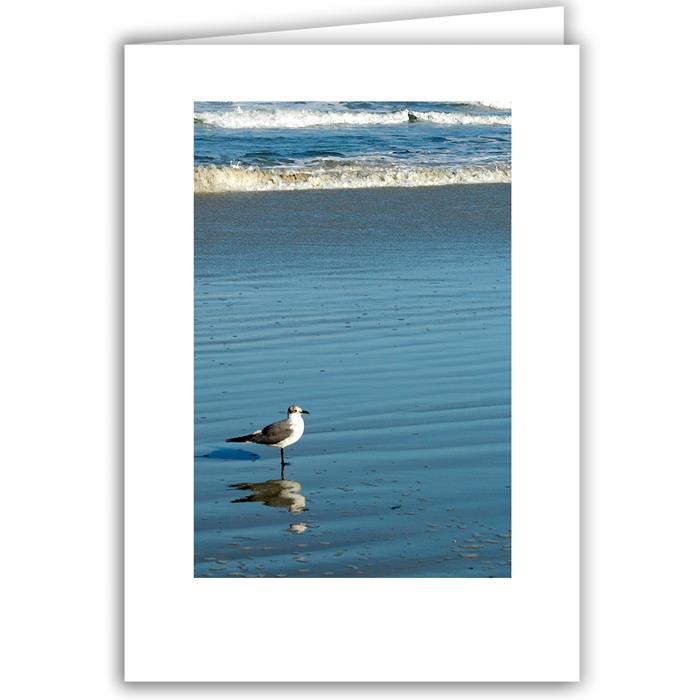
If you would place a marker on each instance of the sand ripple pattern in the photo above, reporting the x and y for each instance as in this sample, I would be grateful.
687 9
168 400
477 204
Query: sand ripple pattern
386 313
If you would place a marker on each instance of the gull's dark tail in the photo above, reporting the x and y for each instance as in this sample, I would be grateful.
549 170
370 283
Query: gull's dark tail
243 438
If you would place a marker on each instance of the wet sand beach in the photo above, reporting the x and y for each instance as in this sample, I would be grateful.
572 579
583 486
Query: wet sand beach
386 313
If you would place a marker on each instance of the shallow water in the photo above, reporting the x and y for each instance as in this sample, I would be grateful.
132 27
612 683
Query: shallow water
386 314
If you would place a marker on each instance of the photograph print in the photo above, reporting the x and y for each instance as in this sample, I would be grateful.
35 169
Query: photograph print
352 339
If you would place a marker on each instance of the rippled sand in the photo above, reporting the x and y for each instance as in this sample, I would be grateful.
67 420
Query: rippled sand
385 313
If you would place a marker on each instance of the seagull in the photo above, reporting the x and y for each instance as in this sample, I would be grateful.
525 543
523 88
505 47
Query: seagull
280 434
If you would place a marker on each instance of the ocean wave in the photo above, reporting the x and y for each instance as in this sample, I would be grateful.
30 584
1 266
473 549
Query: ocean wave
457 118
496 104
286 118
236 178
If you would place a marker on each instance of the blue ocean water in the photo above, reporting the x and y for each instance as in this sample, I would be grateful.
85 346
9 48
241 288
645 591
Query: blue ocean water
303 145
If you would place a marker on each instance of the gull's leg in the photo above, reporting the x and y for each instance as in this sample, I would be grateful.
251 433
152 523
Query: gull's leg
282 456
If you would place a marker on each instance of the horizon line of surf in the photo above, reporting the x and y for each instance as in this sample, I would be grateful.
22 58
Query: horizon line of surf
238 178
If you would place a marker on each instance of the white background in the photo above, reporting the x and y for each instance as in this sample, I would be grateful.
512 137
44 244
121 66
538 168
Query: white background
61 379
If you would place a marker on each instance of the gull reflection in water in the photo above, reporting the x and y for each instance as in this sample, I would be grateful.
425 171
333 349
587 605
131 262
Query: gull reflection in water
278 493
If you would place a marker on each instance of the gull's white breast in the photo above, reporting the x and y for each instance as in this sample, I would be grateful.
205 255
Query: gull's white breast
297 425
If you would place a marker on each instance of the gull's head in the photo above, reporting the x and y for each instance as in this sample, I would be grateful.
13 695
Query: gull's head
294 409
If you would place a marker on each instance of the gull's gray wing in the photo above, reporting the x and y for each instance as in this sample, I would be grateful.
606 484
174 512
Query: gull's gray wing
274 433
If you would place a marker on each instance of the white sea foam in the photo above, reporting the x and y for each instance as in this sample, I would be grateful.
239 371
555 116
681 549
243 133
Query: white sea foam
496 104
235 178
286 118
457 118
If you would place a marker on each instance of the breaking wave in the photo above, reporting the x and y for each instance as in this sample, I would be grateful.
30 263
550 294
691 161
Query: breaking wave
496 104
235 178
285 118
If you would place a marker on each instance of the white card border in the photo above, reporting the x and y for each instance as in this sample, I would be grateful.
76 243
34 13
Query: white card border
179 628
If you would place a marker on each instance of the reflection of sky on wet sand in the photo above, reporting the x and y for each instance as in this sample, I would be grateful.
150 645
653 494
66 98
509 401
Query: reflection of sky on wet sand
397 341
478 547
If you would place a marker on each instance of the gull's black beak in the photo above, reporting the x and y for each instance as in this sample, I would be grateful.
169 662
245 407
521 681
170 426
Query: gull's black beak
304 411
